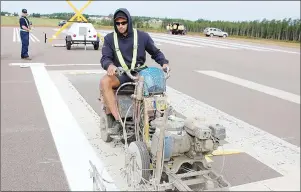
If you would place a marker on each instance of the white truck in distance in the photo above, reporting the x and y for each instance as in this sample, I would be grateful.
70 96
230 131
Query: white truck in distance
210 31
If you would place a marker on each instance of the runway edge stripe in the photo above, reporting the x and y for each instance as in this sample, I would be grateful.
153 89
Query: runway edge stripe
73 147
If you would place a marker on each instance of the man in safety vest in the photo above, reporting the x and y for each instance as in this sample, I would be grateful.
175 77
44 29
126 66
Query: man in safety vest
24 33
124 37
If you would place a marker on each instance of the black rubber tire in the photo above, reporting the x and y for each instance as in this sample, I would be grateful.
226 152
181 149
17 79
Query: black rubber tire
96 45
68 45
145 159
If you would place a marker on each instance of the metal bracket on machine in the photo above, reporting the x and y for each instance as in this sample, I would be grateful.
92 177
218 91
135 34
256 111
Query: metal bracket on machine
97 180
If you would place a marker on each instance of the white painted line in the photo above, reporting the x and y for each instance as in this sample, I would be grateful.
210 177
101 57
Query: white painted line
73 147
203 40
194 42
32 39
64 65
97 71
272 151
246 46
255 86
111 156
54 65
212 42
58 45
14 35
35 37
18 35
15 64
175 43
85 71
23 64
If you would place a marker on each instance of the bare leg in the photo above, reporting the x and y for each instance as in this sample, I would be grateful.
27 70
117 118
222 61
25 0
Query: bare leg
107 84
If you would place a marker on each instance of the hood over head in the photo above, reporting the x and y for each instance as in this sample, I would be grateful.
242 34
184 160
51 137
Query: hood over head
127 14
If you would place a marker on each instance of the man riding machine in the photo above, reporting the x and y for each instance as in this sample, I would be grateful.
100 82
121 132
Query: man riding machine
121 51
135 108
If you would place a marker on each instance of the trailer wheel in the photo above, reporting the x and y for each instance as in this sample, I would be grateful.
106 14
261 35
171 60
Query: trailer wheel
68 45
96 45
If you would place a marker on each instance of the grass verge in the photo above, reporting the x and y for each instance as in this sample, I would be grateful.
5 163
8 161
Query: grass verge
46 22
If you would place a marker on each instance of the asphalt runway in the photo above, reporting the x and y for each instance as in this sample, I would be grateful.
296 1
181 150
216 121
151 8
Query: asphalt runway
252 89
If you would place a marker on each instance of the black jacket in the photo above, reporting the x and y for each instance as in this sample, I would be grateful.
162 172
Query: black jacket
145 43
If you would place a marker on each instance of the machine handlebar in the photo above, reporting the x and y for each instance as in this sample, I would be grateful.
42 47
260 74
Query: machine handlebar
120 71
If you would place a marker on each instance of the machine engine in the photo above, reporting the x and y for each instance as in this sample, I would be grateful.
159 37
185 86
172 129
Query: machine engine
191 137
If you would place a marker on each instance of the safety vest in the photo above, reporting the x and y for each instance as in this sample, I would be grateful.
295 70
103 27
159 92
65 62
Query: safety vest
120 58
26 24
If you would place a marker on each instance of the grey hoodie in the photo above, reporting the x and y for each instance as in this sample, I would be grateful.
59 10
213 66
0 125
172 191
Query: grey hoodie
145 43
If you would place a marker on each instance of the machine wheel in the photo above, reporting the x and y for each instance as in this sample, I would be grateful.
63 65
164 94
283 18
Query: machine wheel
211 34
139 163
68 45
224 36
107 122
96 45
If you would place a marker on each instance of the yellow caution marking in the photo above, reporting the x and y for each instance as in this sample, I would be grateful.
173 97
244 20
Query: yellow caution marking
77 16
221 153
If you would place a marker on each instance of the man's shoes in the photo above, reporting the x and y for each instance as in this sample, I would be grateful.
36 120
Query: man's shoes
116 128
26 58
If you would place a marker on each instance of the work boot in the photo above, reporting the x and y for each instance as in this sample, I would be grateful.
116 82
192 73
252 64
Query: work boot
26 58
114 130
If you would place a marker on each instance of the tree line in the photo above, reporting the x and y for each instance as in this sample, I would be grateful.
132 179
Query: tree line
287 29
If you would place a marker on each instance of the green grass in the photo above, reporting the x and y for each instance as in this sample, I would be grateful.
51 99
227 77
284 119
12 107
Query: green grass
46 22
12 21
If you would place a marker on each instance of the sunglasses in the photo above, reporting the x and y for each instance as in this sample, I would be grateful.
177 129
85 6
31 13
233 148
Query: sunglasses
121 23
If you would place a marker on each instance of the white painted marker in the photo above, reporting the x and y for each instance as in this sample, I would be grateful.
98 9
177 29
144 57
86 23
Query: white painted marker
246 46
255 86
35 37
18 35
175 43
193 42
73 148
14 35
272 151
30 35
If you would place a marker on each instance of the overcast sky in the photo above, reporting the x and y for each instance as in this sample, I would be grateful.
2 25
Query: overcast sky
214 10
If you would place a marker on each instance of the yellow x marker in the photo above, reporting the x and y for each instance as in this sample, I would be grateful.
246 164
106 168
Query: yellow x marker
78 14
